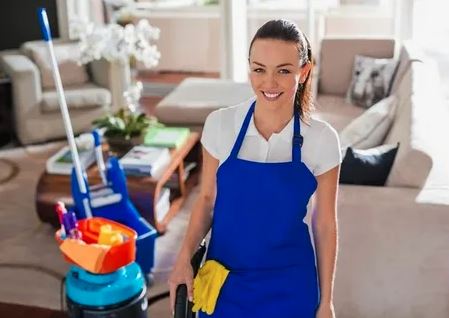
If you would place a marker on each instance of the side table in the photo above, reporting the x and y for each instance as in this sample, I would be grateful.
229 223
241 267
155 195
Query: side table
143 191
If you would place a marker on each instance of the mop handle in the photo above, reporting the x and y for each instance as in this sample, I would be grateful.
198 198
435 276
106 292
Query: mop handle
45 28
99 156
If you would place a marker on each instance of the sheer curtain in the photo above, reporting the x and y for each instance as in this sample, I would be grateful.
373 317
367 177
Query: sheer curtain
431 32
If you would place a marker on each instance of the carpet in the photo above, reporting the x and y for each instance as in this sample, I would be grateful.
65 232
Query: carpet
25 240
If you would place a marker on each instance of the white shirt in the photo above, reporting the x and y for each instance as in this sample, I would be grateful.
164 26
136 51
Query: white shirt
320 151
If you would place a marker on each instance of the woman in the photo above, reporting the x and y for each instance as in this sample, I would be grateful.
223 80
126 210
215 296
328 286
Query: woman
262 162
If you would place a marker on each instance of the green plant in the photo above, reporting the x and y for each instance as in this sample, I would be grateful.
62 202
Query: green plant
125 124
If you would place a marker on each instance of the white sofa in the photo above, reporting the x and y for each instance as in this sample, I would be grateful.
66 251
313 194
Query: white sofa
36 113
394 240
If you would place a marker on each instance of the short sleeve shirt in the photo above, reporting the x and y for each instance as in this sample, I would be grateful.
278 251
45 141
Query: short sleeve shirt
320 151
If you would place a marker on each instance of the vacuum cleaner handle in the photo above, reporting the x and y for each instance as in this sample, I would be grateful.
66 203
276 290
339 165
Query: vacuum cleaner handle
197 258
181 303
183 307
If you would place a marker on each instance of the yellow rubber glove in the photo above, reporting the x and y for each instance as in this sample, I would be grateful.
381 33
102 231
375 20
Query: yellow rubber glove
207 285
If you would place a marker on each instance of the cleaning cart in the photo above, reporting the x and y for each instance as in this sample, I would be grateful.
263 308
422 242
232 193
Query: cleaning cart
110 198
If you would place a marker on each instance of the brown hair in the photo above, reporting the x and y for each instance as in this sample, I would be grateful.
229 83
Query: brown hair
288 31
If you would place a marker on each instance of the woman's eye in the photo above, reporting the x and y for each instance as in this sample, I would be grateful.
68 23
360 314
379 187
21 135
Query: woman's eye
284 71
258 70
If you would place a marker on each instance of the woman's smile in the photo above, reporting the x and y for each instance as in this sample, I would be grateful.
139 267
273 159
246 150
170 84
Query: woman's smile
271 96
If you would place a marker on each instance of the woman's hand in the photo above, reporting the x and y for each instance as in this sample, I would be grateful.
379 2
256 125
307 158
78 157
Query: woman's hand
182 273
325 310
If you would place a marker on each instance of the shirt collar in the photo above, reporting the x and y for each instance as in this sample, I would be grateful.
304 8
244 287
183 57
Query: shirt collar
286 134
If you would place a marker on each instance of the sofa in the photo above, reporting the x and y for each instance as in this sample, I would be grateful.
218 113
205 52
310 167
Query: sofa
393 259
37 117
393 240
194 98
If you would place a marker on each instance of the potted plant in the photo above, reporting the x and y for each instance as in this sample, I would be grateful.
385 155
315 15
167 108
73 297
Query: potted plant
125 129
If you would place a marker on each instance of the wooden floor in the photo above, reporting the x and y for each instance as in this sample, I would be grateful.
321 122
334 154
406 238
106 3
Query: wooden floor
148 104
20 311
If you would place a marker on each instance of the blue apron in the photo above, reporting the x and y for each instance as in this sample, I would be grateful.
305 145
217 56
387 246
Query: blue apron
258 233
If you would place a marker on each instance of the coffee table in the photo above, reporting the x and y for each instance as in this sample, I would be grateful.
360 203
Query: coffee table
143 191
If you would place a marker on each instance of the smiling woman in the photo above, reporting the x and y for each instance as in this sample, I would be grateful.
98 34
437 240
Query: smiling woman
285 78
262 161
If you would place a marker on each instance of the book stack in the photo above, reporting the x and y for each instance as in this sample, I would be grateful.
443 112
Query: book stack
146 161
170 137
61 162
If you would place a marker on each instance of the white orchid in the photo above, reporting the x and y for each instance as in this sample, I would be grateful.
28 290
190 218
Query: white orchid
132 96
116 43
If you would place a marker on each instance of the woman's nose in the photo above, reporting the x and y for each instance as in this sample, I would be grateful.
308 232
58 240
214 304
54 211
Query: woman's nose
270 80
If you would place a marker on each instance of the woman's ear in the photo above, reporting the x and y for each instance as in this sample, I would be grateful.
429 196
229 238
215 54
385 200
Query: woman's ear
305 69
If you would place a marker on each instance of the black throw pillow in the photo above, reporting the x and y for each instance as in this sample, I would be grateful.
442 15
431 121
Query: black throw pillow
368 166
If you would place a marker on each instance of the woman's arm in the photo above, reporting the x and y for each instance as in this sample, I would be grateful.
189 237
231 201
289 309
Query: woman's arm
201 217
199 224
324 225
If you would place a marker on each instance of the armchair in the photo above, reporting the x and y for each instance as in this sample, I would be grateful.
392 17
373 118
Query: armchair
35 105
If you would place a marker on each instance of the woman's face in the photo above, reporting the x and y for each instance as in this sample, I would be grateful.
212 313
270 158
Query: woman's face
275 71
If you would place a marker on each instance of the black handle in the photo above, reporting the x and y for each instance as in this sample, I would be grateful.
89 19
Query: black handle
183 307
181 303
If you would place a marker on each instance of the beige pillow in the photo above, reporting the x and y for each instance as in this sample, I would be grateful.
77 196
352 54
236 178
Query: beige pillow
370 128
67 56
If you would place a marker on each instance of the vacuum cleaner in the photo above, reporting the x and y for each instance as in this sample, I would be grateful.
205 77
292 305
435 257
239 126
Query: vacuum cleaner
115 286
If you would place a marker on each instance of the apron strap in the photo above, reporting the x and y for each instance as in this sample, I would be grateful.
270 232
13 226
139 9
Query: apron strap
242 132
296 142
297 139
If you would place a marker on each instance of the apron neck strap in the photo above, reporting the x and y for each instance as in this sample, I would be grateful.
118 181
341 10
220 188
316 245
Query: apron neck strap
297 138
242 132
296 142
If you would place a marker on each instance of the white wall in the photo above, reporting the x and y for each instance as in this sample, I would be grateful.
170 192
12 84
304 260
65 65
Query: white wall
191 37
358 20
190 40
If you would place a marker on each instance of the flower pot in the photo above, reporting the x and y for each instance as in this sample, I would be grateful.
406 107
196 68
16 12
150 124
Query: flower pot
119 146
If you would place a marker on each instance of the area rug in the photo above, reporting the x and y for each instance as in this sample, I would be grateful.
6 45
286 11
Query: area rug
30 262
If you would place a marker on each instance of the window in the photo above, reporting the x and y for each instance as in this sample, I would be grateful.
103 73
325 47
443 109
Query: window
431 32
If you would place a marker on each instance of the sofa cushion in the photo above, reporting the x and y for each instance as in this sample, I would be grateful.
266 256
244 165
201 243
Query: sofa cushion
195 98
370 128
336 111
67 56
368 167
337 56
371 80
80 97
411 169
